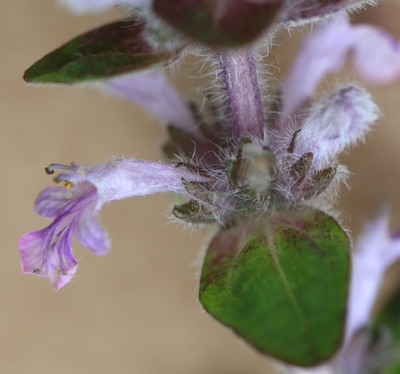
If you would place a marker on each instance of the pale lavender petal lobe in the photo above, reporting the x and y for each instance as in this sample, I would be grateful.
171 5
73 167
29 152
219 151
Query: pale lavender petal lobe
239 74
153 91
376 54
321 52
375 250
56 201
50 201
90 233
47 254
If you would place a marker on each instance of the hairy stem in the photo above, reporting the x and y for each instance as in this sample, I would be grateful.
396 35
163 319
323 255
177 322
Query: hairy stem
241 84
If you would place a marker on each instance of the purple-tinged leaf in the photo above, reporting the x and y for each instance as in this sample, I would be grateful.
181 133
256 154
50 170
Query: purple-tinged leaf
281 284
113 49
225 23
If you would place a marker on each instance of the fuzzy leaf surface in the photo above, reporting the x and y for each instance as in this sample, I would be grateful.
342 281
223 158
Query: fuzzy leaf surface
281 285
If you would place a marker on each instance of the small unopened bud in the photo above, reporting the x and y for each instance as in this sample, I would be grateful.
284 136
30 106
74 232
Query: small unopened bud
336 122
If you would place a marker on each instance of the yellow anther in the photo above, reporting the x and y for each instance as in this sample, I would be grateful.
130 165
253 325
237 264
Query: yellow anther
68 185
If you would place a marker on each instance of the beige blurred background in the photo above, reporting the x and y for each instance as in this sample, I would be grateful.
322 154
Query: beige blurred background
135 310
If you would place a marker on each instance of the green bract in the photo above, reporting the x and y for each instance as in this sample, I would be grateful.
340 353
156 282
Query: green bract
110 50
281 284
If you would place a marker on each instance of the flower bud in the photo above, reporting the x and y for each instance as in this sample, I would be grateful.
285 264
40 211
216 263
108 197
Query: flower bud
336 122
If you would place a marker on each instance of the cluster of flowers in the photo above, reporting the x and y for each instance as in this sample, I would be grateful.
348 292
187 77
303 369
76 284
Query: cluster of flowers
255 155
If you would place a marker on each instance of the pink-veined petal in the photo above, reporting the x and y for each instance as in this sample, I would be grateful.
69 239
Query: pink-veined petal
48 254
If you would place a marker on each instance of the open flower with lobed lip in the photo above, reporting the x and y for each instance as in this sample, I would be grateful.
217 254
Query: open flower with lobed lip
242 165
74 207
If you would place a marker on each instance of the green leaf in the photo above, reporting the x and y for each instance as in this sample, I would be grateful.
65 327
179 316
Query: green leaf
281 284
110 50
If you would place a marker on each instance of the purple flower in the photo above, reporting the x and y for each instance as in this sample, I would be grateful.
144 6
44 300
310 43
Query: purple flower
375 250
48 252
239 162
264 162
374 53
